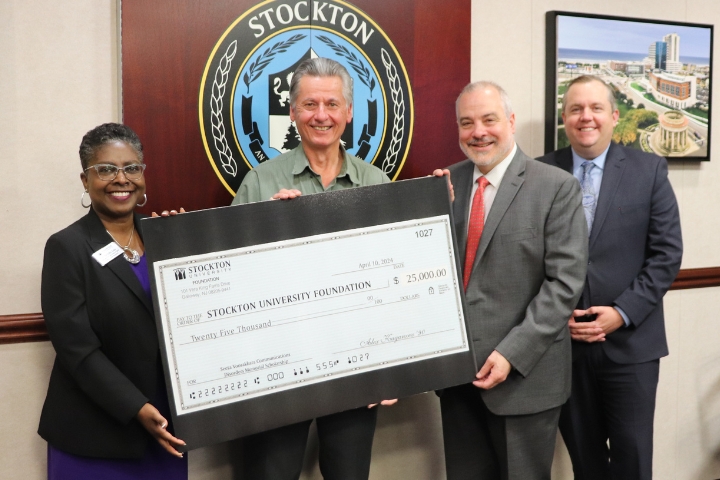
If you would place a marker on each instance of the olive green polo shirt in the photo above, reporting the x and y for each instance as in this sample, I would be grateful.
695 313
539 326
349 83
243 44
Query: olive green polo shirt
292 170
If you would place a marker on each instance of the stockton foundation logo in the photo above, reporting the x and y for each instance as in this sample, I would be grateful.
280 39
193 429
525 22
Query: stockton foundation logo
203 272
244 93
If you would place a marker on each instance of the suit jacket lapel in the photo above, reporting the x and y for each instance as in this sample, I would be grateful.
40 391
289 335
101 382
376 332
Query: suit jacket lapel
98 239
511 183
612 174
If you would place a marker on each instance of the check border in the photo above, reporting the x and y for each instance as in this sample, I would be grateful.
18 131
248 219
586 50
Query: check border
367 232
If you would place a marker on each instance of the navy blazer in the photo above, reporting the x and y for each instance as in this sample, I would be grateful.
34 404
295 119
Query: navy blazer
635 249
107 363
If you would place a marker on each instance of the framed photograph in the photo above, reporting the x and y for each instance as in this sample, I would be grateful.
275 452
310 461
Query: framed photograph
660 73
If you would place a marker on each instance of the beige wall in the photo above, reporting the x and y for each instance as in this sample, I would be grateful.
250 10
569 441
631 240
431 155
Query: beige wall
24 376
59 78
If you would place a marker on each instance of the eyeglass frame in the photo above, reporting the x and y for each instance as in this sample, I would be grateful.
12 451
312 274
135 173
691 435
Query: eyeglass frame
142 166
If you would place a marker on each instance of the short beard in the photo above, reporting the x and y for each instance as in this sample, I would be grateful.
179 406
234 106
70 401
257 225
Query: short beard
479 159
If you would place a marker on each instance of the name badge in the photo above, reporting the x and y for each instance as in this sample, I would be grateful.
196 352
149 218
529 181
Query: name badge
107 253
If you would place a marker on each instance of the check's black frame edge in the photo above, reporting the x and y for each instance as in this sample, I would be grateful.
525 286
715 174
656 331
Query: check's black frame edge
222 228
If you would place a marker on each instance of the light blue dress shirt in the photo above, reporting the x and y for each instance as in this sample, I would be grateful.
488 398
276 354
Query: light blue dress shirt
596 178
596 173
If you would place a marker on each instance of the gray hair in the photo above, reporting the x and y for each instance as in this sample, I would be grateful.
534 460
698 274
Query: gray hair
104 134
504 97
588 79
321 67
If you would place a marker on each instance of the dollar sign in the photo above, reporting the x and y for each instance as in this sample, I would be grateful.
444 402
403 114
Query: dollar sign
396 280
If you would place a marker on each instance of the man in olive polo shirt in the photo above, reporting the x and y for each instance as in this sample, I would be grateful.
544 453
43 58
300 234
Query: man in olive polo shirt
321 107
295 172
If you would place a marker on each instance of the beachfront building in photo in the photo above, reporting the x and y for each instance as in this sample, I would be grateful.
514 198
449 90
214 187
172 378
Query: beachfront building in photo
651 54
676 91
661 55
673 46
673 63
617 66
635 68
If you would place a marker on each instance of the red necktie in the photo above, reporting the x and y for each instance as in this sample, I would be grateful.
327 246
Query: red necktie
475 229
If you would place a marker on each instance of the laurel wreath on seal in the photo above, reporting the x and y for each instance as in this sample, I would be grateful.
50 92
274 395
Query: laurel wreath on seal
216 105
398 109
354 61
256 68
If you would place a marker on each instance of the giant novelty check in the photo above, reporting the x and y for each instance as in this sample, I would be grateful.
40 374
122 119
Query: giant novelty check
272 313
253 321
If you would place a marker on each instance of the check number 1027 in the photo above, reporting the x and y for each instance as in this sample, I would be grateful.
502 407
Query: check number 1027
363 357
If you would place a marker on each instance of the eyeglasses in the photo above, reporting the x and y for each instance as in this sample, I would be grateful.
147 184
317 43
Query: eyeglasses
108 172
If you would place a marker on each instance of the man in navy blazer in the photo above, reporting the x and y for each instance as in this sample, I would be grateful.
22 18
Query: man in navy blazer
618 330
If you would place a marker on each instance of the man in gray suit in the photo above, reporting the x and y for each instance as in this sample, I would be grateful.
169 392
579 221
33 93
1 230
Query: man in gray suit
521 229
618 329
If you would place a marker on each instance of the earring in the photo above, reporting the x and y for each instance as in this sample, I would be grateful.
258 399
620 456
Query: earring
144 202
82 197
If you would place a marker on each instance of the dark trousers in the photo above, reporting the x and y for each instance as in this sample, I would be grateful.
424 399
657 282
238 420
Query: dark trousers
482 445
345 446
615 402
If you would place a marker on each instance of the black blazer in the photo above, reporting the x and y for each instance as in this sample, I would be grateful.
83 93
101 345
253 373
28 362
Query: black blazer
107 363
635 249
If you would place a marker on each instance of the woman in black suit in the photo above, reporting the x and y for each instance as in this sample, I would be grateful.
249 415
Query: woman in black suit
106 412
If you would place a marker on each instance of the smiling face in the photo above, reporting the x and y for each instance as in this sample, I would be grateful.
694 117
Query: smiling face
486 132
114 199
320 112
589 118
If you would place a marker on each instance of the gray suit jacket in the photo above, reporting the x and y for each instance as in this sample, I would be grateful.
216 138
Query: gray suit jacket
528 275
635 249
